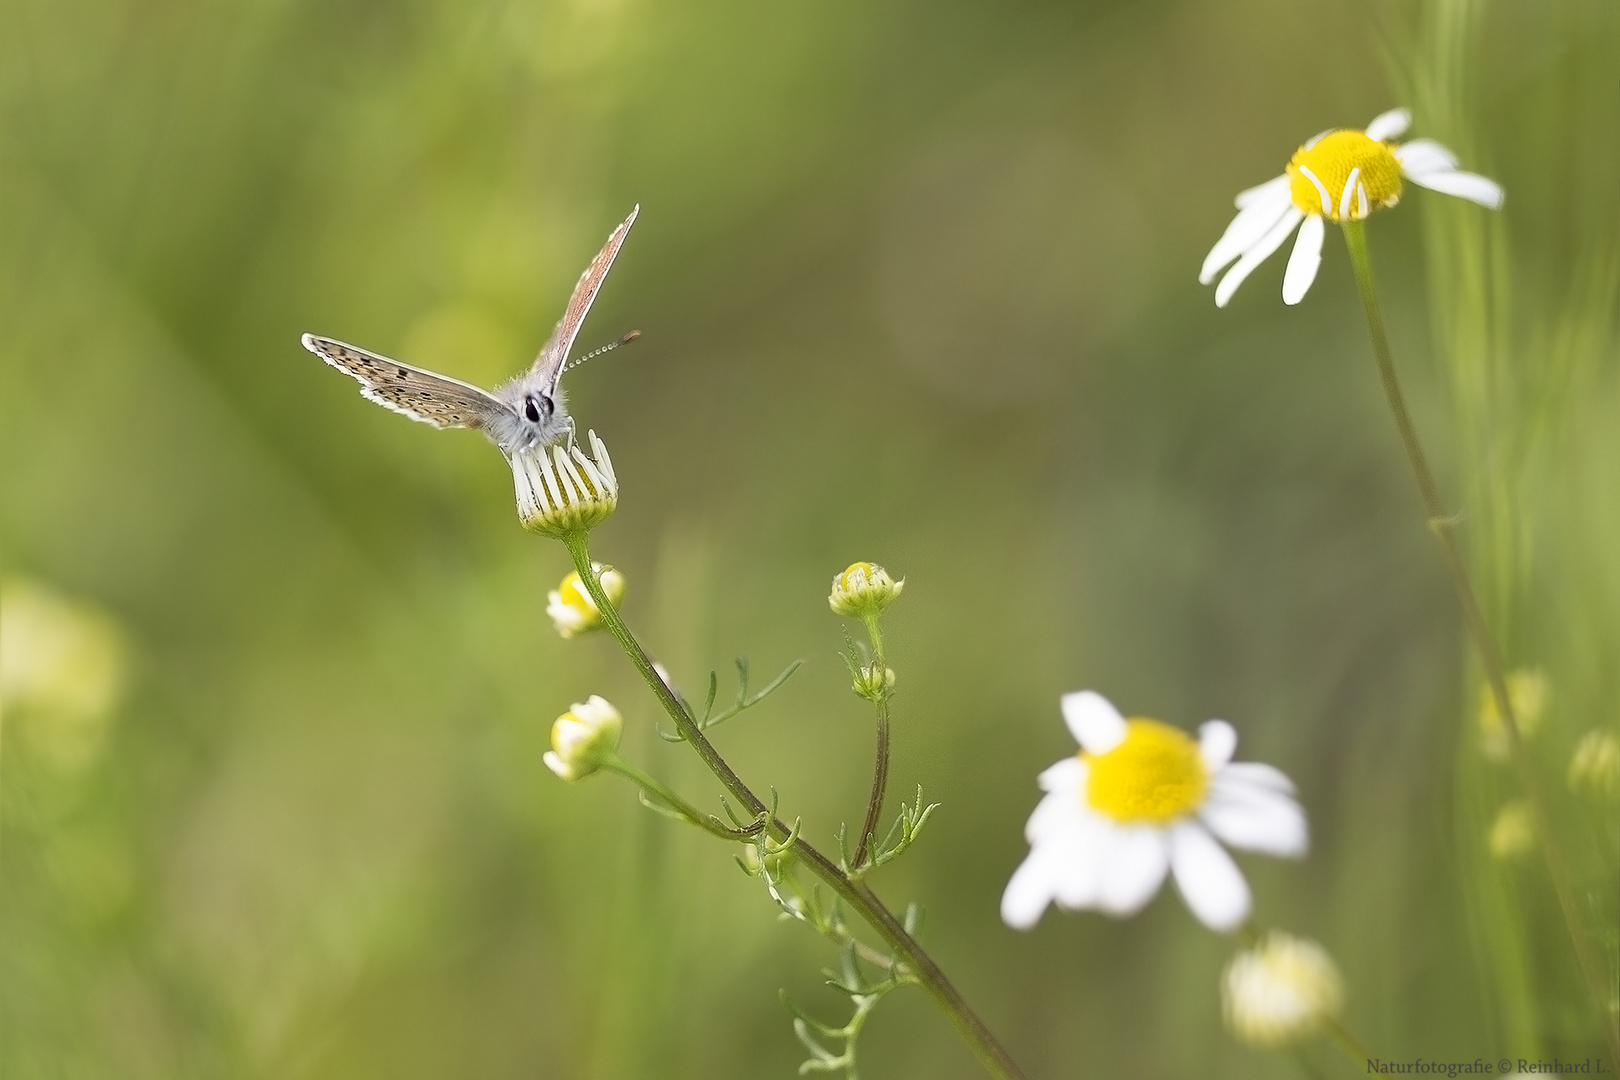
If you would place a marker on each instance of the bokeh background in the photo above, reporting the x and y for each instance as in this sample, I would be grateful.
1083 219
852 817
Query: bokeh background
917 284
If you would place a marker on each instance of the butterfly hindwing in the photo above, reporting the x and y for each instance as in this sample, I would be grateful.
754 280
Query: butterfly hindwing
421 395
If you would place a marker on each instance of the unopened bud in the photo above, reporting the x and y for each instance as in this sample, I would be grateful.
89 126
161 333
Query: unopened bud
863 589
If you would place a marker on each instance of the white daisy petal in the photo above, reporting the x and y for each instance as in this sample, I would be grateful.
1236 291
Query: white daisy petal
1389 125
1257 255
1134 869
1258 774
1465 185
1054 815
1084 864
1305 260
1424 156
1095 724
1216 741
1249 226
1266 192
1207 877
1255 818
1030 890
1067 775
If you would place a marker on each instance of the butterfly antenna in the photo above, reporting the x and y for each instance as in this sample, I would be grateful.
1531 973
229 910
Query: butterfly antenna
609 347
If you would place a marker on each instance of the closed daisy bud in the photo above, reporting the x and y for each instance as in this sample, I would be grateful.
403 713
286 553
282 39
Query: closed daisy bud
1527 694
863 589
571 608
873 682
1595 767
582 736
562 492
1279 990
1512 833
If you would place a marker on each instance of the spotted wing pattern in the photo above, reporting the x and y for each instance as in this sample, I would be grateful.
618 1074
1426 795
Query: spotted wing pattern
421 395
548 366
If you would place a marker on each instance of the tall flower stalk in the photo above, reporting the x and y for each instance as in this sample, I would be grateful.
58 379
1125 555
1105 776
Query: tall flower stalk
1443 524
846 883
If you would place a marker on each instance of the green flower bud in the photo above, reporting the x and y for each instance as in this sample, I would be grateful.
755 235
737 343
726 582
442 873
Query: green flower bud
863 589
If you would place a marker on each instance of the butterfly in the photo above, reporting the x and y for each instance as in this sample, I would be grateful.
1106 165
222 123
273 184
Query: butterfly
524 412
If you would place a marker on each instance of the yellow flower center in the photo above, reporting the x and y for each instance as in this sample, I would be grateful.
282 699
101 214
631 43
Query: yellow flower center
1344 176
573 593
1156 774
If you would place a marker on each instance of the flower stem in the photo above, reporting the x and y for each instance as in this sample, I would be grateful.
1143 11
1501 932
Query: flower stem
614 763
1442 524
990 1053
880 764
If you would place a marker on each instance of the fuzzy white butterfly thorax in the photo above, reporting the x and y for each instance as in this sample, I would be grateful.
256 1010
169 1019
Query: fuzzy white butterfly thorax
524 412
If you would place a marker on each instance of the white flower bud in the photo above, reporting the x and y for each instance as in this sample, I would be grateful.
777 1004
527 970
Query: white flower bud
1595 766
571 608
863 589
872 682
1527 694
581 736
1513 832
1278 990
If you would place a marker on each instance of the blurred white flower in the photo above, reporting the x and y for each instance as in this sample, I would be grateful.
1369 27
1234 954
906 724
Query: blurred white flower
62 664
564 491
1341 175
1527 694
581 736
1513 833
1594 768
1278 990
863 589
571 608
1142 799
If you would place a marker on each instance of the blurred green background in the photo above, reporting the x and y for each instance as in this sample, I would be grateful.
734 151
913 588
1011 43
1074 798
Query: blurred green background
917 284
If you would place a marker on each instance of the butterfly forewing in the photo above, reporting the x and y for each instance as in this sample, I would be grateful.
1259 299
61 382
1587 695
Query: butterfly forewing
548 366
421 395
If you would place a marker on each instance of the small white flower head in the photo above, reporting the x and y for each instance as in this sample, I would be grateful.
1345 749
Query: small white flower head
873 682
1338 176
863 589
1594 769
1279 990
1527 694
571 608
563 491
1142 799
63 667
1513 834
581 736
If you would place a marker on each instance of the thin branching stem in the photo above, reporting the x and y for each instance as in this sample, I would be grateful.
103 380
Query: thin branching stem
995 1059
1443 524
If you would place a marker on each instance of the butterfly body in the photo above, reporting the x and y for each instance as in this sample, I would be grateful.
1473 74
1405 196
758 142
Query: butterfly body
524 412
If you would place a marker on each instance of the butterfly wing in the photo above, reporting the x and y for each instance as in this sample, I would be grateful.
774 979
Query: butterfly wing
548 366
421 395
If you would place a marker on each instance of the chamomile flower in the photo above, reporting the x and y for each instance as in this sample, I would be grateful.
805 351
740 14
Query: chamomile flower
563 491
582 736
1342 175
1278 990
1142 799
571 608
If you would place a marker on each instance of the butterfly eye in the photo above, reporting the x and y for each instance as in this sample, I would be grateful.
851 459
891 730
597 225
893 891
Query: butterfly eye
531 409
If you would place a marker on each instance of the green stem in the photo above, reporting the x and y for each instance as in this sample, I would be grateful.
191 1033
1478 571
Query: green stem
990 1053
615 764
1442 523
880 764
